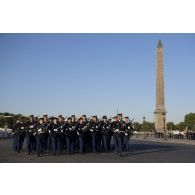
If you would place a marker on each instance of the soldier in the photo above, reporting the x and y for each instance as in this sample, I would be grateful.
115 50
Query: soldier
49 138
81 132
62 140
30 138
74 133
114 131
55 136
119 135
105 131
22 133
95 134
127 128
69 131
15 134
88 144
36 122
46 132
40 138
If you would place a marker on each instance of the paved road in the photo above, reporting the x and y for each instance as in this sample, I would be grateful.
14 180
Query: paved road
140 151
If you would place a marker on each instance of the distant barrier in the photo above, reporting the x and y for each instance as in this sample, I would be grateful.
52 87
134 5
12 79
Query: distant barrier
5 134
169 135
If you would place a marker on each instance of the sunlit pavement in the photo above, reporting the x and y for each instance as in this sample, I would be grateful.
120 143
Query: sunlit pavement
140 151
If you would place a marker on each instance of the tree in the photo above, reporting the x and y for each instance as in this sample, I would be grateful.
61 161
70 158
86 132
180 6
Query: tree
137 126
189 120
181 126
170 126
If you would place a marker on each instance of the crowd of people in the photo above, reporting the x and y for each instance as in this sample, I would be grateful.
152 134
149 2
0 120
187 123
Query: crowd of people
70 135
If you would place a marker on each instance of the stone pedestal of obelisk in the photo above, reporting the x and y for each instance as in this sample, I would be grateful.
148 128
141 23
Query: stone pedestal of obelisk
160 112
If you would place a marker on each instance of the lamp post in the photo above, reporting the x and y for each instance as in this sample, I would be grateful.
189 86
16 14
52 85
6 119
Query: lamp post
144 127
165 134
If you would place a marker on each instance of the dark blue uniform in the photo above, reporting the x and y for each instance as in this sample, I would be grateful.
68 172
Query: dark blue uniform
82 133
127 129
21 136
106 135
47 127
55 137
40 139
119 133
70 133
95 132
62 139
30 137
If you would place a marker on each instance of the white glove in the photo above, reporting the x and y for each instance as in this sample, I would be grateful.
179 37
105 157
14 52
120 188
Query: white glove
126 133
117 130
39 130
61 131
91 130
31 126
22 127
55 130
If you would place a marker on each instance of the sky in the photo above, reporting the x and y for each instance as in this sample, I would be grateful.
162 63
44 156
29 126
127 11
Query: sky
95 74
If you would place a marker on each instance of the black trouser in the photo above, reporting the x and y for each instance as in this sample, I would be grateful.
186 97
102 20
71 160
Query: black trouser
19 141
96 141
62 142
126 143
55 142
40 144
120 141
88 141
22 137
29 142
70 142
15 142
45 141
106 142
49 144
82 142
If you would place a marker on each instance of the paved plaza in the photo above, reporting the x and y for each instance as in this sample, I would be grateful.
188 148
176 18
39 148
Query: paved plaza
140 151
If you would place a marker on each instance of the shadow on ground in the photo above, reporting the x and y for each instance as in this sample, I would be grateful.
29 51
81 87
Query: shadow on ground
140 151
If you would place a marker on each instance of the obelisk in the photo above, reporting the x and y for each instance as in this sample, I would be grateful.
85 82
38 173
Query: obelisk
160 112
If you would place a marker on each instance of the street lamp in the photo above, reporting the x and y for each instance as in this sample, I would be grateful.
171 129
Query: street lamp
165 134
144 127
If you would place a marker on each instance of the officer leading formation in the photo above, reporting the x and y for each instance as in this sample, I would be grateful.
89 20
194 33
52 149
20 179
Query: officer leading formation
57 135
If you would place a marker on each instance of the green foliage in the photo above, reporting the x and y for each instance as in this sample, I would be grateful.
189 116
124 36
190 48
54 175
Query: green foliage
181 126
145 126
170 126
189 120
137 126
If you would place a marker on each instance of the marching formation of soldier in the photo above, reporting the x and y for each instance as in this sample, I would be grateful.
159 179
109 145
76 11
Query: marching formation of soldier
59 134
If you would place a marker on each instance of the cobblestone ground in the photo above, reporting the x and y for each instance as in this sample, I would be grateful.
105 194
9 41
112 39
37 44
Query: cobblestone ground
140 151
